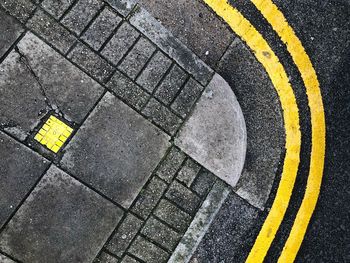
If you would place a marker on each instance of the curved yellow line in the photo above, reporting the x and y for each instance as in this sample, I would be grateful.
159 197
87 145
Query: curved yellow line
279 23
264 54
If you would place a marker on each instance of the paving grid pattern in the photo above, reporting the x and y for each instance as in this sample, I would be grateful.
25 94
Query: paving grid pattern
129 65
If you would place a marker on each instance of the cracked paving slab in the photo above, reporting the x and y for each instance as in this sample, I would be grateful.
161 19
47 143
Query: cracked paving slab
41 80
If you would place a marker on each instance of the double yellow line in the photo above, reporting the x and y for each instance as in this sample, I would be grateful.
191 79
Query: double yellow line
264 54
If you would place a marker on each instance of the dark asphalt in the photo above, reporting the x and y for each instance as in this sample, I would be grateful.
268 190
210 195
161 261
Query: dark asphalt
324 29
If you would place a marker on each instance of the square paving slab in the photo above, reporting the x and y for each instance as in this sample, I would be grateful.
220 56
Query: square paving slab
10 30
61 221
116 150
20 168
35 79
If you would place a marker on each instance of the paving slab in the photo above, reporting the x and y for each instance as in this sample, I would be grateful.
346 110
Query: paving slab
116 150
10 30
36 80
215 134
20 168
4 259
60 221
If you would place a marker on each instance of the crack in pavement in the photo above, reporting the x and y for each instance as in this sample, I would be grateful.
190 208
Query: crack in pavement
25 61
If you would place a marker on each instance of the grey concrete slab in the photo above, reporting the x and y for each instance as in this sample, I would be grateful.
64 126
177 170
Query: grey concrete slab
154 30
37 79
20 168
61 221
215 135
10 30
263 116
195 25
116 150
4 259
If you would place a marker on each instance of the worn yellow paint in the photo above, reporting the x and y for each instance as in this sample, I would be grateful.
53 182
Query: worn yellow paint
264 54
279 23
53 134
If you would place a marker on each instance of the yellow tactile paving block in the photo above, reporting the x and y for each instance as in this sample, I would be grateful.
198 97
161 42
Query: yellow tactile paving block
53 134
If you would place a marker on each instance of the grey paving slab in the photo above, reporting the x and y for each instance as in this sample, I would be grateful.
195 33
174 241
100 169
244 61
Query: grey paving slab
126 232
56 7
10 30
94 64
61 221
183 197
147 251
116 150
172 215
187 97
137 58
161 233
101 28
168 89
124 7
162 116
215 135
193 23
149 197
263 116
153 29
20 168
120 43
21 9
4 259
154 71
81 14
128 91
51 31
37 79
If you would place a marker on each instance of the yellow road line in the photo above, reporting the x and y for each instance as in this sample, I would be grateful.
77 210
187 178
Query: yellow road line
264 54
279 23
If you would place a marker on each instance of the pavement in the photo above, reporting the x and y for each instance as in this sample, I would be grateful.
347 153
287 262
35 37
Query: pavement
148 131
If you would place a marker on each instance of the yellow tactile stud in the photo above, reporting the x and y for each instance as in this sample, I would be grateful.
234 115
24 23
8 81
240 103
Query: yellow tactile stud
53 134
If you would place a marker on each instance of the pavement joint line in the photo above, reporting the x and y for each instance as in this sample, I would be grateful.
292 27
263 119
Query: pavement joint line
25 197
200 224
70 7
10 257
